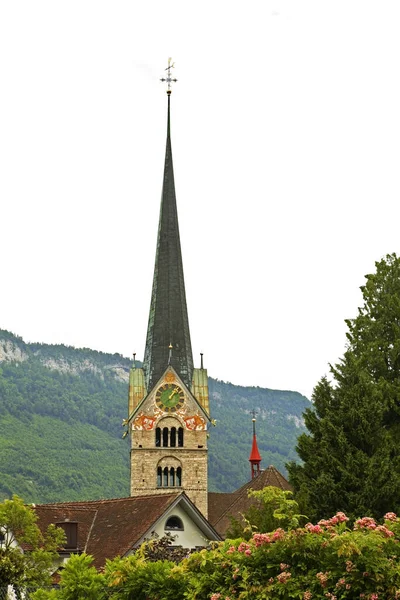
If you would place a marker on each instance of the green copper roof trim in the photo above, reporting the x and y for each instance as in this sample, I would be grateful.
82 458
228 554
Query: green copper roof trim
168 318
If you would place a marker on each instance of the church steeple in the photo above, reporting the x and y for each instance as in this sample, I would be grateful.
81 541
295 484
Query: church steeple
168 320
255 457
168 398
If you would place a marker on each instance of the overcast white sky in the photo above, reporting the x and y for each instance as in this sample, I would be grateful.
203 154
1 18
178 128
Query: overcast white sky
286 144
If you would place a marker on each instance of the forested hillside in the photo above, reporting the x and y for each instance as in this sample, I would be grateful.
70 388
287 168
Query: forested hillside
279 423
61 410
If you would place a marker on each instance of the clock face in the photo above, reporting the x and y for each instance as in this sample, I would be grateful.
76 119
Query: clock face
170 397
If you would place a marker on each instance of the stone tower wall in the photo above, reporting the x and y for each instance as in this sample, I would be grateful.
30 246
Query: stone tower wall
192 458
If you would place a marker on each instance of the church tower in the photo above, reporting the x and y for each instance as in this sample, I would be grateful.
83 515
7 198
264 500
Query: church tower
168 398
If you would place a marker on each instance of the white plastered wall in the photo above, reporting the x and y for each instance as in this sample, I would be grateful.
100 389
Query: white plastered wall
190 537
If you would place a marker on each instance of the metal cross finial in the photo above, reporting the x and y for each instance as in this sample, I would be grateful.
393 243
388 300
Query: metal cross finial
169 79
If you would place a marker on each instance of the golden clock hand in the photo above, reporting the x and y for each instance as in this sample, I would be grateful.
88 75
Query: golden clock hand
175 391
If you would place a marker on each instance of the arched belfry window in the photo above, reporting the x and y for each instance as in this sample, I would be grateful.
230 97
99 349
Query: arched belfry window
172 477
179 476
174 524
180 437
172 437
169 437
165 436
169 474
165 478
158 437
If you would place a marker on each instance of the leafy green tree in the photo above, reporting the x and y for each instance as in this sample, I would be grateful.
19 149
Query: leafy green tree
45 594
135 578
272 508
11 566
351 455
81 581
27 556
145 575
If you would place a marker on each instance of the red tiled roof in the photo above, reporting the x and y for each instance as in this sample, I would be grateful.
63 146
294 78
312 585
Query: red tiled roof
270 476
218 504
108 528
223 506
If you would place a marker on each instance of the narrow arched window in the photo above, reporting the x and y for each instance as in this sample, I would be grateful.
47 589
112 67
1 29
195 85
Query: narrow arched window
159 477
179 476
158 437
165 482
165 437
172 477
172 438
180 437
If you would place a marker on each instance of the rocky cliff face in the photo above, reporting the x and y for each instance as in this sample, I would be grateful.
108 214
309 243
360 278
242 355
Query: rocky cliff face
11 352
63 358
120 372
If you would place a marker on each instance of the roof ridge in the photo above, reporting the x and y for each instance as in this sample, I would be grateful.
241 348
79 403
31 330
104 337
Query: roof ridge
279 474
61 505
80 504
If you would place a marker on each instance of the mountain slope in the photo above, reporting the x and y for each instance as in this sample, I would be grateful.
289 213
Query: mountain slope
61 410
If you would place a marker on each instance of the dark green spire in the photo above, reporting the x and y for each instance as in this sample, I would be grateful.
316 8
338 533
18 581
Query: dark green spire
168 319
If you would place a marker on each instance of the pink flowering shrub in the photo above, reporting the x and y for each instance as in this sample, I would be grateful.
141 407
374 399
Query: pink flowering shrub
283 577
365 523
314 528
390 516
329 559
262 538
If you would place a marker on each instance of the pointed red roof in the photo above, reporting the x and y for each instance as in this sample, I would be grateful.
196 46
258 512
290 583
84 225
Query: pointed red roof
254 454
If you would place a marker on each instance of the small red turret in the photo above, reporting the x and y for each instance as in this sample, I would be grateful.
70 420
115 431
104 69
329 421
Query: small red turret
255 457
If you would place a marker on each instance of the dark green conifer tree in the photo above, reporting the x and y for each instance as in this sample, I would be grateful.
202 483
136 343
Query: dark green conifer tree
351 455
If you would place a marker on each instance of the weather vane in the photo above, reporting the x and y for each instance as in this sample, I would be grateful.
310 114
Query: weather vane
168 78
